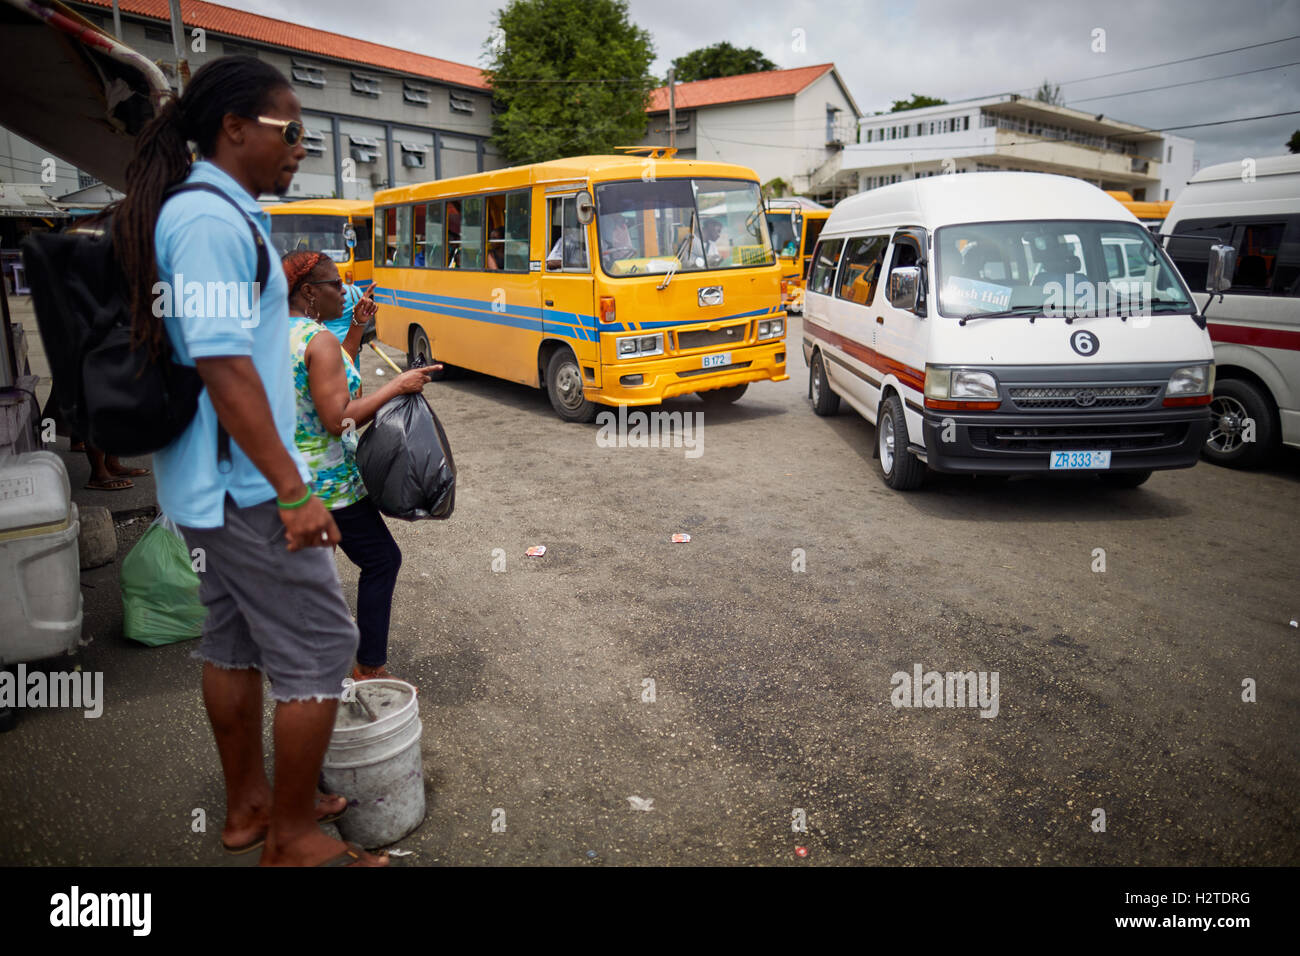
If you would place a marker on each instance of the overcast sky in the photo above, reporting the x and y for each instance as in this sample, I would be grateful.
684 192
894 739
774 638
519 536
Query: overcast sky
947 48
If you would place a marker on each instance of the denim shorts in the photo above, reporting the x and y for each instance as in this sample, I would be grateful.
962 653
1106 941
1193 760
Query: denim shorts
279 611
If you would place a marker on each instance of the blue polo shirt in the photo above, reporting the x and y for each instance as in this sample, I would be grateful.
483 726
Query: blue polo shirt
203 245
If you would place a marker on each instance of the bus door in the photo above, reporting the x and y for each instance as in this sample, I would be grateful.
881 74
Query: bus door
568 290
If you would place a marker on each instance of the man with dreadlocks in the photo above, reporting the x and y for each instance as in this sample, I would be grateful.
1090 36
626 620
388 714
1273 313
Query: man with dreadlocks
270 584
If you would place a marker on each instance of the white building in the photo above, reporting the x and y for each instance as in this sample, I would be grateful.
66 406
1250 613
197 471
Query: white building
784 124
1010 132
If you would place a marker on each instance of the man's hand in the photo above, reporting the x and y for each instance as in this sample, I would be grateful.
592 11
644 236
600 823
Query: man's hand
310 526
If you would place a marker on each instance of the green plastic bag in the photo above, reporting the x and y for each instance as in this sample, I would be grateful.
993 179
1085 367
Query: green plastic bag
160 591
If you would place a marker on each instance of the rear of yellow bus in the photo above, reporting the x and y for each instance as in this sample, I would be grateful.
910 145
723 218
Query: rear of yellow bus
794 231
340 228
687 288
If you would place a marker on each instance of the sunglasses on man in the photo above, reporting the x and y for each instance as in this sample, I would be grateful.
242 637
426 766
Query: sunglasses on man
291 130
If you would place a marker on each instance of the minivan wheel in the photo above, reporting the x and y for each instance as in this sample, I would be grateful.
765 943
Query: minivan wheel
824 401
901 469
420 350
1235 403
564 387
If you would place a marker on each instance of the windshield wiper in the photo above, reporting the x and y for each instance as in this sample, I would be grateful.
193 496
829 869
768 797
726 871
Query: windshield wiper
1014 310
668 276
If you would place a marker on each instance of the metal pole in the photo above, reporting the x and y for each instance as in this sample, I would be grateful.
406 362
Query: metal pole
117 21
672 109
178 45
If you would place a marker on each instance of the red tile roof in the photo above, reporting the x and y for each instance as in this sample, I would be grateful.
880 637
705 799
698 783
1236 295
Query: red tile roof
236 23
767 85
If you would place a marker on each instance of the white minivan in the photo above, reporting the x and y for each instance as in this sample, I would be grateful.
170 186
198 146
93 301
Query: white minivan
1255 206
972 318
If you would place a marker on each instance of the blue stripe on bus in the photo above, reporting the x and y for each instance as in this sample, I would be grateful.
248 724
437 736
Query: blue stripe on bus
576 324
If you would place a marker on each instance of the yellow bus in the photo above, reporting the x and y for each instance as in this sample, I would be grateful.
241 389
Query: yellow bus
1152 213
794 225
606 280
322 225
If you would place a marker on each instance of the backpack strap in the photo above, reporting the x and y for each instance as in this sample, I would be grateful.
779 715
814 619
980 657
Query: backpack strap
263 273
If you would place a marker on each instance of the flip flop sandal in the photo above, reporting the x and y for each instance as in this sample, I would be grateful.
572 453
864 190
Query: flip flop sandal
352 854
133 473
258 842
110 484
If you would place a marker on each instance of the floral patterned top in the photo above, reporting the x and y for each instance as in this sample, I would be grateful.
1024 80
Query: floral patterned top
333 460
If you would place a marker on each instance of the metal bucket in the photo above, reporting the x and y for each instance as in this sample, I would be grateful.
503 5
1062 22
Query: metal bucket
374 760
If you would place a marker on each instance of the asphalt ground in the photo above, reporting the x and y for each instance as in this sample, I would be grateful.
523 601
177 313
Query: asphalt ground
1120 690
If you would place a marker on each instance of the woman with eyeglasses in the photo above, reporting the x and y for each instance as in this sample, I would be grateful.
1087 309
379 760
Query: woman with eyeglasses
331 407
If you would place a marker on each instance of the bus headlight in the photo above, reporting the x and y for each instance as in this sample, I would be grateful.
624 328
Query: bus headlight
639 346
1191 380
771 329
960 383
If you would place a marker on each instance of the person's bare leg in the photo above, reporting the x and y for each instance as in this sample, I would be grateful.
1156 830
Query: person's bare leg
234 702
302 734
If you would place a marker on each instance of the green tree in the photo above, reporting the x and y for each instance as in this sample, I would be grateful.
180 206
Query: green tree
1293 144
1050 93
915 103
721 59
569 78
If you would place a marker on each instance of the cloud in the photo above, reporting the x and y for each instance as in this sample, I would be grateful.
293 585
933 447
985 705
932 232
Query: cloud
949 48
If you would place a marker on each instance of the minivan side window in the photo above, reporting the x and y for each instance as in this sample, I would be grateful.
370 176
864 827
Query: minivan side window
825 258
1268 252
863 258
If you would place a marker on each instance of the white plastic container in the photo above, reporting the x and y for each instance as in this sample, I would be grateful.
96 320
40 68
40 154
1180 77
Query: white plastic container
374 760
40 583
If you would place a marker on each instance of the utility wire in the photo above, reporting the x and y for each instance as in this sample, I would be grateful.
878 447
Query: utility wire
1208 79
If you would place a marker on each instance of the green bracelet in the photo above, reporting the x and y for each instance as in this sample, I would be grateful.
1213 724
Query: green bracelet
297 504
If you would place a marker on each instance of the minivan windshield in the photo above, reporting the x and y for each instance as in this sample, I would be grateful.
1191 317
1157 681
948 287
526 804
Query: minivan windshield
1055 267
680 225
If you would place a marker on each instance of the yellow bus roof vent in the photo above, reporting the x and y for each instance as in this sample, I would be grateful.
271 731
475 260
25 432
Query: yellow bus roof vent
653 152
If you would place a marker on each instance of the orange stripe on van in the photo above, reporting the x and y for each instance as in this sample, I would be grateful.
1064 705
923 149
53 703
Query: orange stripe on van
1251 335
912 378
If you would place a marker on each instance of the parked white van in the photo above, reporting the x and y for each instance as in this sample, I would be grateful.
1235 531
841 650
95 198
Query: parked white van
1255 327
972 320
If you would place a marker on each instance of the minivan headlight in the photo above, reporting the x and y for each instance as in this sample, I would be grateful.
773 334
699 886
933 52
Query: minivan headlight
960 383
1191 380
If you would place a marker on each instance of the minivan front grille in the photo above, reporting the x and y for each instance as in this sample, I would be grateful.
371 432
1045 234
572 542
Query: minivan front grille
704 338
1114 437
1082 397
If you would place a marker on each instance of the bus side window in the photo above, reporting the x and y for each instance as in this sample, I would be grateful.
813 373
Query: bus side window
364 239
418 260
471 233
453 234
516 231
402 237
496 232
386 236
567 236
434 248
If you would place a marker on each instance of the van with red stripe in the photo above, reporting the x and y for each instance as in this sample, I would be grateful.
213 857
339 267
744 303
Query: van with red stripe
1004 323
1254 205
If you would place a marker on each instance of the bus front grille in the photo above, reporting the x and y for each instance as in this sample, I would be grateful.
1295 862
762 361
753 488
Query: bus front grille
704 338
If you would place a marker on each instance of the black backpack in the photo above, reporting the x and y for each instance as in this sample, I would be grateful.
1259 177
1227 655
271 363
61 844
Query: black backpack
111 395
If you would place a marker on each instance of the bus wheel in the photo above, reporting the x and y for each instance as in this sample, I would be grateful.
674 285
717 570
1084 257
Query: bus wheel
1236 403
824 401
564 386
420 350
723 396
901 469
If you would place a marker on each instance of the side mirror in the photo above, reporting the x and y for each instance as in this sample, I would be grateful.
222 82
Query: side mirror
584 207
349 235
1223 263
905 287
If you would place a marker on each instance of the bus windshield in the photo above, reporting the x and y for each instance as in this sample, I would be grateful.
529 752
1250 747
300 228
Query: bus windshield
1053 267
681 225
311 232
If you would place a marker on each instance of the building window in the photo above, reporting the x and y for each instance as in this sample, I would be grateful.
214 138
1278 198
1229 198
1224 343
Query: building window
364 149
366 84
965 122
313 141
461 103
1169 156
307 74
419 95
158 35
1166 194
413 155
238 49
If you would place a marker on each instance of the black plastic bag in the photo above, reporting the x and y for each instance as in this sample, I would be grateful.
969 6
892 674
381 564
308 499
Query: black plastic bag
405 461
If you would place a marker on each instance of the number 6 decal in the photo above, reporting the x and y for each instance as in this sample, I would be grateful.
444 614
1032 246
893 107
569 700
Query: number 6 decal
1084 342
